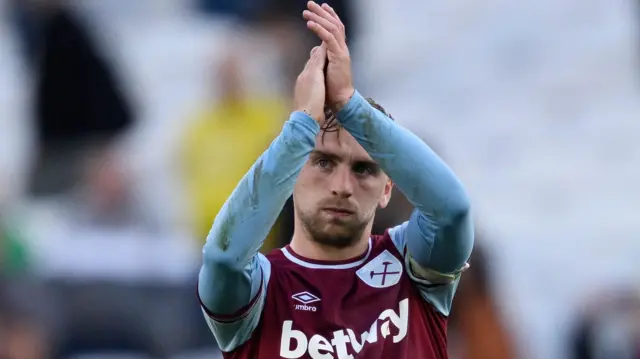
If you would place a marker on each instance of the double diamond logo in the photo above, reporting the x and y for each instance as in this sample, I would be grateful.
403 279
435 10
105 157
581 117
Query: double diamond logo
305 298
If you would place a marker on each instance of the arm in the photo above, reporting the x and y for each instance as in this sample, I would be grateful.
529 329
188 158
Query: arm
233 277
439 236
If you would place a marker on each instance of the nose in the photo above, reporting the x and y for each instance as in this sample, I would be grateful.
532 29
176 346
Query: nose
341 183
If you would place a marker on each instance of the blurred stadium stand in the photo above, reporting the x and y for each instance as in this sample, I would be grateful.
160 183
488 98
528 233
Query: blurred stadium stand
536 105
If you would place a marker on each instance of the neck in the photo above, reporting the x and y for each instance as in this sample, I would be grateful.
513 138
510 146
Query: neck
305 246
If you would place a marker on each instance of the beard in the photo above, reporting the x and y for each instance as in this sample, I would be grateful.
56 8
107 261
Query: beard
334 232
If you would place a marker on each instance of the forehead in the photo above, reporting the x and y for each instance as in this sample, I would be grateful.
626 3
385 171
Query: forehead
341 144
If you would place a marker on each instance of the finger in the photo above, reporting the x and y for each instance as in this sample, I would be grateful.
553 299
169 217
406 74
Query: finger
318 58
330 26
324 12
320 11
322 55
306 64
333 13
328 38
311 57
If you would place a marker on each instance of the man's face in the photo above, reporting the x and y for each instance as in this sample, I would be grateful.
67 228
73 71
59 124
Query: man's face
338 190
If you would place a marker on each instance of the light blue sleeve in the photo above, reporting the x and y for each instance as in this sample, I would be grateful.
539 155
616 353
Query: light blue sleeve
234 277
232 330
438 239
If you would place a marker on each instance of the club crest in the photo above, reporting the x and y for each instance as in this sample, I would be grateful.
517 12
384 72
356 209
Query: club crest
382 271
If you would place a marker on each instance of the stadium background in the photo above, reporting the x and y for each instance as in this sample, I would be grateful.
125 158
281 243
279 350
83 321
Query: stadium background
123 124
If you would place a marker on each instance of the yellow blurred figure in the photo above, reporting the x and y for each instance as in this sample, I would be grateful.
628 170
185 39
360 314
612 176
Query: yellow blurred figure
223 142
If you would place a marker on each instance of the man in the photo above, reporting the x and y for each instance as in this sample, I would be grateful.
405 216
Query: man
335 291
80 110
241 123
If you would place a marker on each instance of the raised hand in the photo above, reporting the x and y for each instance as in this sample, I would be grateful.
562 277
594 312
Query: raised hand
309 93
326 24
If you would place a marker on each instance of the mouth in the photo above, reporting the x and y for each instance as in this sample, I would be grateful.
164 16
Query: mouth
339 212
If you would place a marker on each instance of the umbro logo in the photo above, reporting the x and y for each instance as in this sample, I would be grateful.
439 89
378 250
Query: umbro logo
305 298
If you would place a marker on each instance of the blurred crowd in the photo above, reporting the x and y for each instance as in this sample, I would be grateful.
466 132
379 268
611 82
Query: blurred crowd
124 126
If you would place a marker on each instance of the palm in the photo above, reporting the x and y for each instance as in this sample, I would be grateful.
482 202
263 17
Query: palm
309 94
335 69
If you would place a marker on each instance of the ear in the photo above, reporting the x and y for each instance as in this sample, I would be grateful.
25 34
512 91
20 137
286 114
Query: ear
386 194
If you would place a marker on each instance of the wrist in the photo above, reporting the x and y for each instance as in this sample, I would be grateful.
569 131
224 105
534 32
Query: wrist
308 113
343 100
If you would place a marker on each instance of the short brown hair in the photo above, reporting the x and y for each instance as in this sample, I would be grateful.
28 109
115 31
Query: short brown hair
331 121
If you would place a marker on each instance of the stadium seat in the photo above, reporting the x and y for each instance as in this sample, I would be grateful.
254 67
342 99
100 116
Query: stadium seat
110 355
207 353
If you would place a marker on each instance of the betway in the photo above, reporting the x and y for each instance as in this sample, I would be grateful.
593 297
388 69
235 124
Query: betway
319 347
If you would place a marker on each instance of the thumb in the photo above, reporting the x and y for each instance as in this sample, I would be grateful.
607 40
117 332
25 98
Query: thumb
310 59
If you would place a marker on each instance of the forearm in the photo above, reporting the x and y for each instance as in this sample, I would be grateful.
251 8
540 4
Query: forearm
230 267
442 223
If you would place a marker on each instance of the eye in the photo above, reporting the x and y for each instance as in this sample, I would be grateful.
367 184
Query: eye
363 170
322 162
